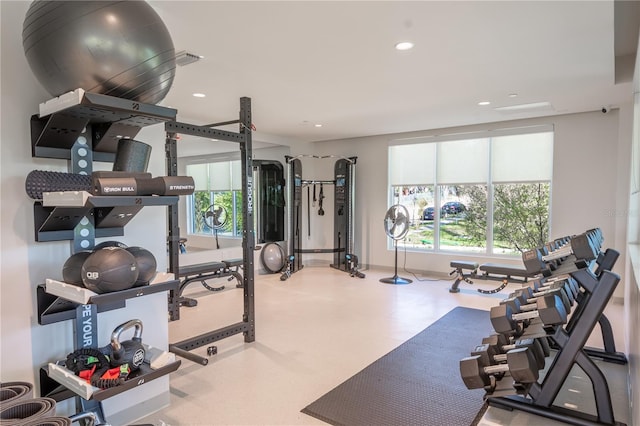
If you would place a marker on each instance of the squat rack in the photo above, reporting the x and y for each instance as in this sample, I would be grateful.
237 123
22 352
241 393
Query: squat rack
243 138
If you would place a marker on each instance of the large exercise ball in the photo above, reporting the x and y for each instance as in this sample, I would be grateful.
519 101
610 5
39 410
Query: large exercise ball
116 48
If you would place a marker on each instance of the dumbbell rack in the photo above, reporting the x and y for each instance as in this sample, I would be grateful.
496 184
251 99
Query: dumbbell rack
538 398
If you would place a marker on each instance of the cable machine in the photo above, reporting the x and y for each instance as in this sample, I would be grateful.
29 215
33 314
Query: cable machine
247 325
343 183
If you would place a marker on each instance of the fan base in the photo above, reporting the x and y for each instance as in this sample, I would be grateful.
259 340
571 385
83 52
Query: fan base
396 280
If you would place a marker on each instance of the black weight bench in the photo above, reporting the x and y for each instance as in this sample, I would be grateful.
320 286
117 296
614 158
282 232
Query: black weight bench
459 267
206 271
488 271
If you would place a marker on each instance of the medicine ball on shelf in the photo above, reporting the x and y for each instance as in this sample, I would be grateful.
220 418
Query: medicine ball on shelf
72 268
147 265
109 269
116 48
109 244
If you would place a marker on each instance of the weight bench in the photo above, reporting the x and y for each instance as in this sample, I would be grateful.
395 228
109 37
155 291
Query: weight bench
459 267
206 271
489 271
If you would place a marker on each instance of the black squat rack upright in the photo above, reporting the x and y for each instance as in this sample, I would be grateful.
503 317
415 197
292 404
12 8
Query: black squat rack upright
243 138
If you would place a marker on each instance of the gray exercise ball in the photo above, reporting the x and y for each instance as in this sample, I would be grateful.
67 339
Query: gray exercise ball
116 48
273 258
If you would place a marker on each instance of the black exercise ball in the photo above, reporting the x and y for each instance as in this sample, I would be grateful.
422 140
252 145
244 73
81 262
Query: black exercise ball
109 269
116 48
147 265
111 243
72 268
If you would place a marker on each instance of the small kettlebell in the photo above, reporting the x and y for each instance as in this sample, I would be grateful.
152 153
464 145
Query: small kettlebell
130 351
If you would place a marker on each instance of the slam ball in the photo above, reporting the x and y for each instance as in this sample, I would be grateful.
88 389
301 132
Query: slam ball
109 269
110 243
115 48
147 265
72 268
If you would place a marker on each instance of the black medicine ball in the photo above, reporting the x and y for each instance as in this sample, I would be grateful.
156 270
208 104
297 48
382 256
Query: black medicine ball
109 244
109 269
72 268
147 265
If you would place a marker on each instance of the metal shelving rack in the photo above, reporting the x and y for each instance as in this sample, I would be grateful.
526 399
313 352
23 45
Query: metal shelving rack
87 126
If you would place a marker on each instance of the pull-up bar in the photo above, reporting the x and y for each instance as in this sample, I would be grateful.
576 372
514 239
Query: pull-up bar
313 182
351 160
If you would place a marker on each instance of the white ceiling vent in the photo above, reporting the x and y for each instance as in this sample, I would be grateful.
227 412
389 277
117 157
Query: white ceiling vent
185 58
532 107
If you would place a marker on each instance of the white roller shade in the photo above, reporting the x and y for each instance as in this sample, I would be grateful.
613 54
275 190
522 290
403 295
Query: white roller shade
200 175
465 161
220 176
412 164
236 175
522 158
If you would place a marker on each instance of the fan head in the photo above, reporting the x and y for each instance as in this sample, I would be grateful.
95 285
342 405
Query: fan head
215 217
396 222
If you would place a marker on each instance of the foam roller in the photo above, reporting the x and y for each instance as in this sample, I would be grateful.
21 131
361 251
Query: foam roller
131 156
39 181
165 185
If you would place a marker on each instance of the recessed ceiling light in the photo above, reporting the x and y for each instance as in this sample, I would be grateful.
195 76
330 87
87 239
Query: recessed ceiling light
512 95
404 45
483 103
199 95
317 125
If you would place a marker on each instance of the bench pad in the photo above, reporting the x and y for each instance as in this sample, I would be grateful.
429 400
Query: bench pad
200 268
462 264
495 268
233 262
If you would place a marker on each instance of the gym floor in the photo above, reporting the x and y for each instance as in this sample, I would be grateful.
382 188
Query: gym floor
316 330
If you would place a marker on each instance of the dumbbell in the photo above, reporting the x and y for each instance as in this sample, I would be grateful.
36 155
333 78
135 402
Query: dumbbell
549 309
500 340
581 246
534 264
565 281
496 353
521 365
527 297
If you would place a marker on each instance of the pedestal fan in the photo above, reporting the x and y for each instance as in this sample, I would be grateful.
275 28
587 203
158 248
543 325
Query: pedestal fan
396 225
215 218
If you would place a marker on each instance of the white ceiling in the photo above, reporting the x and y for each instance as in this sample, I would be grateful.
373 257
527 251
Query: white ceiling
333 62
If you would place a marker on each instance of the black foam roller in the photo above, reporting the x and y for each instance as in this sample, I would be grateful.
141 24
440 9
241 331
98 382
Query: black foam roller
39 181
131 156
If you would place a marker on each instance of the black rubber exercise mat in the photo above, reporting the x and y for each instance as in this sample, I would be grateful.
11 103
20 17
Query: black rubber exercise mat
418 383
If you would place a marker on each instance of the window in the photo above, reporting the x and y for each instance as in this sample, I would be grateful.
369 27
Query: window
488 194
216 204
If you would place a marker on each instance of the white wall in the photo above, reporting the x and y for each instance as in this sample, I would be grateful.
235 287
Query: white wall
632 294
25 345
